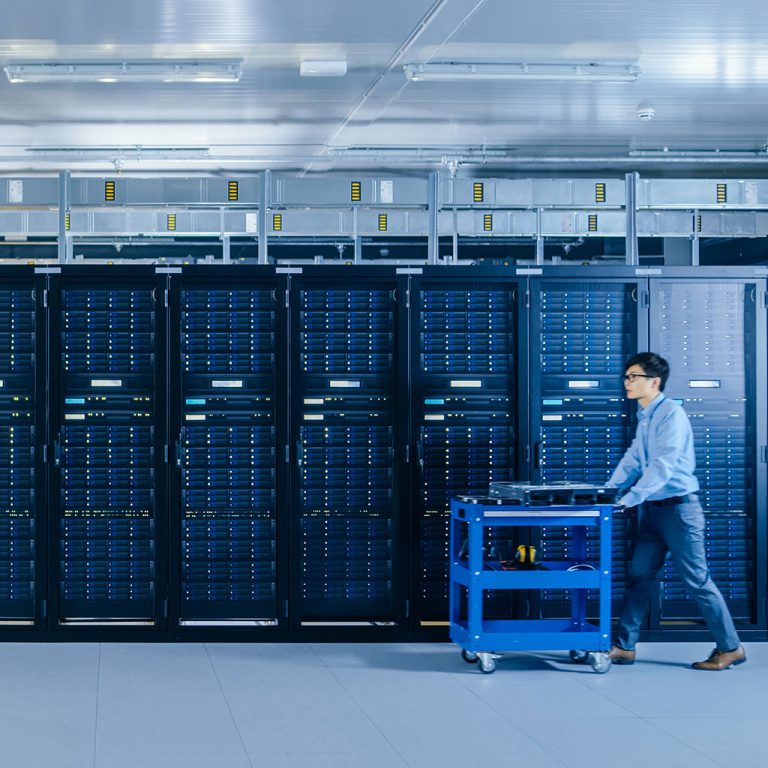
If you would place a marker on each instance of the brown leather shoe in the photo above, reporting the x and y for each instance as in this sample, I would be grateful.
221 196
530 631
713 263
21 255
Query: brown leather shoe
719 660
620 655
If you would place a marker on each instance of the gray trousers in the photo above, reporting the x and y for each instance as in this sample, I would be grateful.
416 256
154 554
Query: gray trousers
679 531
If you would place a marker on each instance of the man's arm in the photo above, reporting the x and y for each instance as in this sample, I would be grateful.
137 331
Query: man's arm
629 468
669 440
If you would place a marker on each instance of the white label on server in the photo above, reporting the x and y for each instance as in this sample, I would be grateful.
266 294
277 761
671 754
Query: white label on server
551 417
583 384
313 417
476 383
195 417
704 383
106 382
251 222
434 417
230 384
344 384
387 191
2 383
74 417
15 191
314 401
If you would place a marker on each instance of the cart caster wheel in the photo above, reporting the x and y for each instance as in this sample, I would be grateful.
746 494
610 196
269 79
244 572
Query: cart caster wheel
579 657
600 662
486 663
469 656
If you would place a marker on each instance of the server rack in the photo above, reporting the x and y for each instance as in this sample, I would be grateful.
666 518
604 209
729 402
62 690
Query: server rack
468 336
22 437
709 330
228 480
108 434
348 440
582 333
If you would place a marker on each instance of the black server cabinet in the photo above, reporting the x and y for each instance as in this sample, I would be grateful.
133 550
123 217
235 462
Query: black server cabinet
466 340
709 331
108 427
228 383
582 332
347 445
22 436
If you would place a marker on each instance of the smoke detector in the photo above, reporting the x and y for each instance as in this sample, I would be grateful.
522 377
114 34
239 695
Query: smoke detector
645 110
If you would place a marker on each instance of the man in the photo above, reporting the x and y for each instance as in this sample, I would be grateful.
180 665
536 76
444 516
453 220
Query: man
657 473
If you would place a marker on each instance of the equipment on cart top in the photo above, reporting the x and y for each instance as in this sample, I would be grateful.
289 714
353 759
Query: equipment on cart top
551 494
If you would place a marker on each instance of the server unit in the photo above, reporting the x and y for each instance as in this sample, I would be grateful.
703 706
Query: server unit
582 333
346 335
22 543
227 379
467 332
108 406
708 330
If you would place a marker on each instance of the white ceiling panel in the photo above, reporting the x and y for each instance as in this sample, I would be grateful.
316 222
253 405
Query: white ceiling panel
703 71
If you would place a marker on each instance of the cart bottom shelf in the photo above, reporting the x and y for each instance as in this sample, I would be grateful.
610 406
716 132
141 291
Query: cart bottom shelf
531 635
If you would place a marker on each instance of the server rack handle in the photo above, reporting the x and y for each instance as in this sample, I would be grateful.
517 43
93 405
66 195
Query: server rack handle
57 451
420 453
177 450
536 455
299 453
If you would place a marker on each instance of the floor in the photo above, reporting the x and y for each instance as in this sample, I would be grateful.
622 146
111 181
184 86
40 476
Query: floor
373 706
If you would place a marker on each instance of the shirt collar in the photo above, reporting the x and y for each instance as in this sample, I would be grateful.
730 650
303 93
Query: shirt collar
647 412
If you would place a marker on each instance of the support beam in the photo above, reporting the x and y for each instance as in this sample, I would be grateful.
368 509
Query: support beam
630 206
433 234
265 180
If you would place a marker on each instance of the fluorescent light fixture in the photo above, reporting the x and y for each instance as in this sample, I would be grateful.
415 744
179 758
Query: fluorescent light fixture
165 71
323 68
454 70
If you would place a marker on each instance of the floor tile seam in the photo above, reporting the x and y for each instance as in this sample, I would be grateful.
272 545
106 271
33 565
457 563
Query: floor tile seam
96 707
227 705
650 721
504 717
361 709
609 699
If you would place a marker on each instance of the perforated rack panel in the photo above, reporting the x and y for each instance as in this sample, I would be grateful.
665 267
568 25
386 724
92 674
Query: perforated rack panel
585 332
464 414
18 364
707 332
228 451
106 451
345 384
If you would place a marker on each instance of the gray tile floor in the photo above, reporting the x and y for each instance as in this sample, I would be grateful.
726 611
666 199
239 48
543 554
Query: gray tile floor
372 706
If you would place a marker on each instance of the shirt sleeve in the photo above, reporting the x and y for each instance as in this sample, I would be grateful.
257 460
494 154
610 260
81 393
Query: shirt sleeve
629 468
669 440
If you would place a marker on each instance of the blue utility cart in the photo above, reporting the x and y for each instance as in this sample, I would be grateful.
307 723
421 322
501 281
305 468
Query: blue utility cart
471 574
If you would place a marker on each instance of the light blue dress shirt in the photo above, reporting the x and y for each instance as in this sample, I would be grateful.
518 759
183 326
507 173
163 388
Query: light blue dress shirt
661 460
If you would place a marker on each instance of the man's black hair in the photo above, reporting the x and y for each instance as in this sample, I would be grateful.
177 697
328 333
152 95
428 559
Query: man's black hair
652 364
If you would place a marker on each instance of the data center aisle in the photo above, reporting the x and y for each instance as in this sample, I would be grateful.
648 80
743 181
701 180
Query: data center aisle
372 706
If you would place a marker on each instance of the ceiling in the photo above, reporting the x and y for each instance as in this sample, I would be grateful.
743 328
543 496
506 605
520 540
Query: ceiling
703 68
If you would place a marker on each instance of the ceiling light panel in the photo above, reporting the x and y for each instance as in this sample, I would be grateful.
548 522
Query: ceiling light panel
201 71
452 71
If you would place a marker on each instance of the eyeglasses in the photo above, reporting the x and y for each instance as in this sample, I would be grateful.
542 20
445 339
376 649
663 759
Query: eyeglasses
630 377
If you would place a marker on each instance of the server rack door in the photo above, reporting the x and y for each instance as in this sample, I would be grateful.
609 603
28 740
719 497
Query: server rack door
22 421
345 430
108 431
708 332
465 337
226 376
582 333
